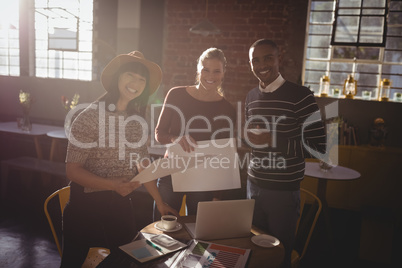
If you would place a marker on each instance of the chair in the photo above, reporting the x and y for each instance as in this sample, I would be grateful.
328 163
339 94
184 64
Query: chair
95 255
310 209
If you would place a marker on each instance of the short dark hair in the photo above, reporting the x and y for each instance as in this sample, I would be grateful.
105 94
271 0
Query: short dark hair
265 42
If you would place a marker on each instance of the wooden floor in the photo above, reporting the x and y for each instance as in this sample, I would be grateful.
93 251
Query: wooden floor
26 240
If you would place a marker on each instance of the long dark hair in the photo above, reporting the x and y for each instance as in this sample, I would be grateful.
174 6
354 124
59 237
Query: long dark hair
137 105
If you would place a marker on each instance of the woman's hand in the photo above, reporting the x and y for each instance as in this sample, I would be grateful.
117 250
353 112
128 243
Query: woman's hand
165 209
186 142
124 186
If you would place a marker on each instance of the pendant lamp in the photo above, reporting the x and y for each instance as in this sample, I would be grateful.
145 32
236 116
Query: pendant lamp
205 27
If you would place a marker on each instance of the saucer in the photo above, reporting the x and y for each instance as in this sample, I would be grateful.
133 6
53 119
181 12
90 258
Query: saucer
158 225
266 241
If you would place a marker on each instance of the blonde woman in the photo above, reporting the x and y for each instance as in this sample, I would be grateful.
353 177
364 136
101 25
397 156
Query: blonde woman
197 107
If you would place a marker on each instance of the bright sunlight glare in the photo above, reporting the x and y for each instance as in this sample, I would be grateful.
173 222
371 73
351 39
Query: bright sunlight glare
9 14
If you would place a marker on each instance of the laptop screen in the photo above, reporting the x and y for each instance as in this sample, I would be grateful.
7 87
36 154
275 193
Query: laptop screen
222 219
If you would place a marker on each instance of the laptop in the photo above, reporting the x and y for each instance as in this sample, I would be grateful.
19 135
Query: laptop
222 219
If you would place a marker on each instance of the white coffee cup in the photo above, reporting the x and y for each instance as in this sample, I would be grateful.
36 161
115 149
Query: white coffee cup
168 222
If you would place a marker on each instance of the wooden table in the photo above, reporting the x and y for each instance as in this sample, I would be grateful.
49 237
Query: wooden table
259 257
37 131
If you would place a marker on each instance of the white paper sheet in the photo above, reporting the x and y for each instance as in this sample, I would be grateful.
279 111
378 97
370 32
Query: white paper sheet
216 167
167 166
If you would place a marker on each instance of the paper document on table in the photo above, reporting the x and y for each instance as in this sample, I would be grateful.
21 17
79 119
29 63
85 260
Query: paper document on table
167 166
201 254
216 167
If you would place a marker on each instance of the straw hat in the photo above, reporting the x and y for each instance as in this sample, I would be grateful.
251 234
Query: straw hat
155 72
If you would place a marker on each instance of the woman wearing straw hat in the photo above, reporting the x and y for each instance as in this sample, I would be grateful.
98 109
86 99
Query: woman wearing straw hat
103 138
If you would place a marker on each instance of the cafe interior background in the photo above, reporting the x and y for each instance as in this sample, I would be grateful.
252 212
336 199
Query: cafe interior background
59 48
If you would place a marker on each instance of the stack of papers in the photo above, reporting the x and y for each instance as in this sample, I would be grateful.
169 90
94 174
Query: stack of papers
202 254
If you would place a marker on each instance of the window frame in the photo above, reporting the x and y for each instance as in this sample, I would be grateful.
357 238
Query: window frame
360 16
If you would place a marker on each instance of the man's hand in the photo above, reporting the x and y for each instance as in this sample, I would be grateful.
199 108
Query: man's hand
165 209
262 139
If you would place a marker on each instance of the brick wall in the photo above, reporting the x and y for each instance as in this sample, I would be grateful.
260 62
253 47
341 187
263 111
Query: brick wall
241 23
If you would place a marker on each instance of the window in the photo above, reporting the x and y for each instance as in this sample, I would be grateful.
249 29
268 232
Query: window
9 38
371 49
62 43
360 23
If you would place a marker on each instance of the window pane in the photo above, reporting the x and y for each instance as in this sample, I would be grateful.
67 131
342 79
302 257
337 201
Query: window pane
9 36
316 65
63 44
368 53
3 61
320 29
319 41
367 68
394 43
85 46
367 80
3 69
393 56
337 79
394 30
349 12
321 17
70 74
374 3
318 53
14 61
85 56
40 44
395 5
373 12
345 52
14 70
371 30
344 67
346 29
41 72
318 5
54 63
85 75
349 3
85 65
392 69
70 64
41 63
314 76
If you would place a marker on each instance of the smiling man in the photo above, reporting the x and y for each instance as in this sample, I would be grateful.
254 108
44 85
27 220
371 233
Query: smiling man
279 109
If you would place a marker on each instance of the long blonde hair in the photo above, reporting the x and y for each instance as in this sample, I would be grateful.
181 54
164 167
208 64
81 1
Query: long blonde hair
210 53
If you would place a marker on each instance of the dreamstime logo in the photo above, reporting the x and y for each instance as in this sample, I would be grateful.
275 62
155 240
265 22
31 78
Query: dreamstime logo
270 161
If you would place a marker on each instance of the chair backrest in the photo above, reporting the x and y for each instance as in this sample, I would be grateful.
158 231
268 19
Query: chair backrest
310 209
63 196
